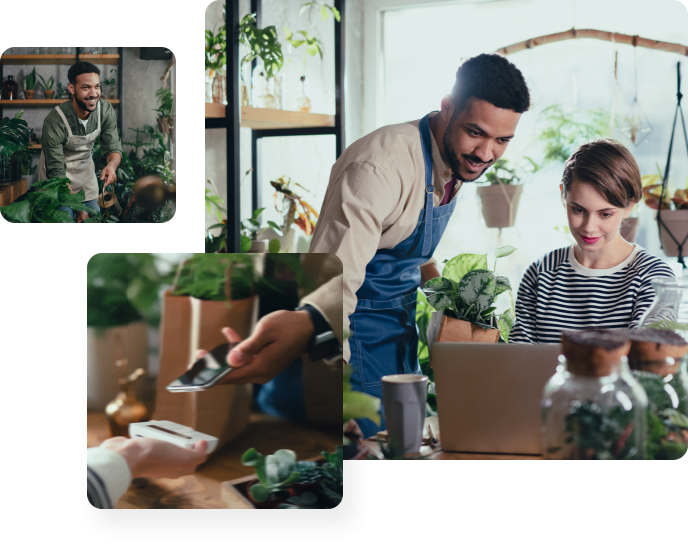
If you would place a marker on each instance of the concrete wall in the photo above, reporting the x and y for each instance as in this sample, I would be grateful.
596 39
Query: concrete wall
141 79
307 160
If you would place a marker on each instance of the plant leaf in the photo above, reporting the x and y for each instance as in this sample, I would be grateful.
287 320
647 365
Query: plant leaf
245 244
357 405
504 251
274 246
260 493
18 212
275 227
478 288
457 267
503 285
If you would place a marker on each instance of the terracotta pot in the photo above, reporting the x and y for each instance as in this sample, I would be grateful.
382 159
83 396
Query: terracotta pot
629 229
456 330
49 94
29 95
677 222
270 503
495 205
259 246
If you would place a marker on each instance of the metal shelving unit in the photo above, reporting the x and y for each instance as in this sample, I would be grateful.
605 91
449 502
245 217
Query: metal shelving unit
65 60
267 123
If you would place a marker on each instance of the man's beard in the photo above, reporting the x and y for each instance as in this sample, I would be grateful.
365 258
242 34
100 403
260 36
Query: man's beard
82 104
453 157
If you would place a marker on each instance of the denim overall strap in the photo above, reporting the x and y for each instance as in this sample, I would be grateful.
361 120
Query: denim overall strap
425 136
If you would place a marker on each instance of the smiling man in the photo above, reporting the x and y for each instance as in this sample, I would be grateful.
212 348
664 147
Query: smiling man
69 132
380 193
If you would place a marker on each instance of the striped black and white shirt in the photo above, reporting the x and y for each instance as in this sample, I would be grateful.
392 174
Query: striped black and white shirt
557 293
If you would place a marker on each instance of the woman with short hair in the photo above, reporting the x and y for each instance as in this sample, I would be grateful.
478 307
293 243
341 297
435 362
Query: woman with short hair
601 280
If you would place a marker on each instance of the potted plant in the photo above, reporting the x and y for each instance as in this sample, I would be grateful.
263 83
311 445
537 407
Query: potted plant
30 85
47 87
263 44
274 476
166 100
674 214
501 195
215 55
123 301
295 211
111 83
464 298
14 140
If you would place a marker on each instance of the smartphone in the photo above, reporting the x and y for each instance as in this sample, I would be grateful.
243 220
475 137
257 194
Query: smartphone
205 372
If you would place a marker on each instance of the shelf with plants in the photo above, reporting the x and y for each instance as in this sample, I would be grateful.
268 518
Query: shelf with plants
66 60
264 119
223 56
36 102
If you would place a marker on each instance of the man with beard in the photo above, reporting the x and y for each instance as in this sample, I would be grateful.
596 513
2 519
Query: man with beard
69 132
380 192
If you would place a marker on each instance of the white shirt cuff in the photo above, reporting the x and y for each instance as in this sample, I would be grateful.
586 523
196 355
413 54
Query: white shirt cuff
112 469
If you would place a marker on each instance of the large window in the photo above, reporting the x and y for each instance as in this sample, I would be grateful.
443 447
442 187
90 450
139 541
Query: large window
423 46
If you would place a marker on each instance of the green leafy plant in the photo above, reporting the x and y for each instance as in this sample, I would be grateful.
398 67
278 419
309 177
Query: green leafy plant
112 80
166 100
564 131
216 46
125 287
467 290
600 435
332 471
325 10
40 205
14 135
312 43
358 405
503 172
30 80
252 228
204 276
261 43
46 85
667 422
307 501
275 472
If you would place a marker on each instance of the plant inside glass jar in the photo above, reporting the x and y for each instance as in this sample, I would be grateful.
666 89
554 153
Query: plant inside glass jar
263 44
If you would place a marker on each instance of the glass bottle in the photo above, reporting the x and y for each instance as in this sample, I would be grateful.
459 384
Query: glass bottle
303 103
259 86
245 98
593 408
219 89
669 309
10 89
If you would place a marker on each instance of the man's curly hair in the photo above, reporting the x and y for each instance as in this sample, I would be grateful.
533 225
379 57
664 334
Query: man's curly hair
81 67
492 78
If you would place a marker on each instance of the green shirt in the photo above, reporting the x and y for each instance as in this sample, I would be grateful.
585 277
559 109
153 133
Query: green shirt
55 134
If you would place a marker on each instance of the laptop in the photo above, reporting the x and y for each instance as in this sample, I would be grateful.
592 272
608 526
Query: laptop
488 395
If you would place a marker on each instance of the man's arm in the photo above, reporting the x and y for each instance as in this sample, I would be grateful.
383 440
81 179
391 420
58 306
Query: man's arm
53 138
110 144
350 226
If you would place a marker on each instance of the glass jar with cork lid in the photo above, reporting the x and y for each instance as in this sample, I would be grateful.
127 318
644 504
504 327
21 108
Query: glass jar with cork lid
657 359
593 408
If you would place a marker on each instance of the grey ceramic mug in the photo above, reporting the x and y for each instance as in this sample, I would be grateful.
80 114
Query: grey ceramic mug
404 397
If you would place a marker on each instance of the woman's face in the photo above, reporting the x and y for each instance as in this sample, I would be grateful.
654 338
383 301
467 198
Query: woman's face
593 221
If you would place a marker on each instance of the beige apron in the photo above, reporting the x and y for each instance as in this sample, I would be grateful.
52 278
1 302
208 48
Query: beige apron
79 165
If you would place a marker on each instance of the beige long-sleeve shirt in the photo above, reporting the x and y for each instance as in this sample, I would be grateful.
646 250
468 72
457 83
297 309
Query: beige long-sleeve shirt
373 201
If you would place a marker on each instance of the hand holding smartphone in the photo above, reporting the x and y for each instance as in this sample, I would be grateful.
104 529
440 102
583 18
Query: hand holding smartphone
206 371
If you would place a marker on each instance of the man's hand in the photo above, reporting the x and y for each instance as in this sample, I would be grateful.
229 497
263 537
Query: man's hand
151 458
80 217
279 338
428 272
109 174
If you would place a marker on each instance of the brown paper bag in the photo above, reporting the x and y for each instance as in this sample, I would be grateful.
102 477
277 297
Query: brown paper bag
221 411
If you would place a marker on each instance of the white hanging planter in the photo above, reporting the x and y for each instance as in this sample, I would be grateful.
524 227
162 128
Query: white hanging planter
500 204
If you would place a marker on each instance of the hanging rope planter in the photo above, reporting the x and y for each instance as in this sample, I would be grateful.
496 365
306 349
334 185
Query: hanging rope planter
678 218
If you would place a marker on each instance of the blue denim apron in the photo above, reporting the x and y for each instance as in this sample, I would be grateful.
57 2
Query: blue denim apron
384 336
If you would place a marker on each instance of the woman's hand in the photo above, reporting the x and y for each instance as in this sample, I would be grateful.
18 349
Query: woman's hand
151 458
279 338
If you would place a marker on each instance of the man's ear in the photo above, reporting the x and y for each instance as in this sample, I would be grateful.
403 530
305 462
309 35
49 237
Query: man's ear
71 89
447 108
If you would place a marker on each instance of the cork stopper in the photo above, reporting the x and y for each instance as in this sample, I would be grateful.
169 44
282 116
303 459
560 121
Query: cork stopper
656 351
594 353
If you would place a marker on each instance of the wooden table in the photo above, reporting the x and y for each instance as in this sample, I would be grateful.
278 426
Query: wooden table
203 489
435 451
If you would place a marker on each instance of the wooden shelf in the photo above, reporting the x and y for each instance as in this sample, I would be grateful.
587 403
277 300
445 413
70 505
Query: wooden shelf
58 59
262 119
44 102
35 147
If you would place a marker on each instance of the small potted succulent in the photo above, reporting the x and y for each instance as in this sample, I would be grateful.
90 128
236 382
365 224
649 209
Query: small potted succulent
166 100
47 87
501 192
275 475
30 85
464 298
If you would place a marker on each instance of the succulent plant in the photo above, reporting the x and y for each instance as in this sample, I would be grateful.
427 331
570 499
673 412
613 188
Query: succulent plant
310 472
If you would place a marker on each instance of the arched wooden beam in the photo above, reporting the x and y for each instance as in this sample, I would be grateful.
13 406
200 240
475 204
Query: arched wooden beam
574 34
